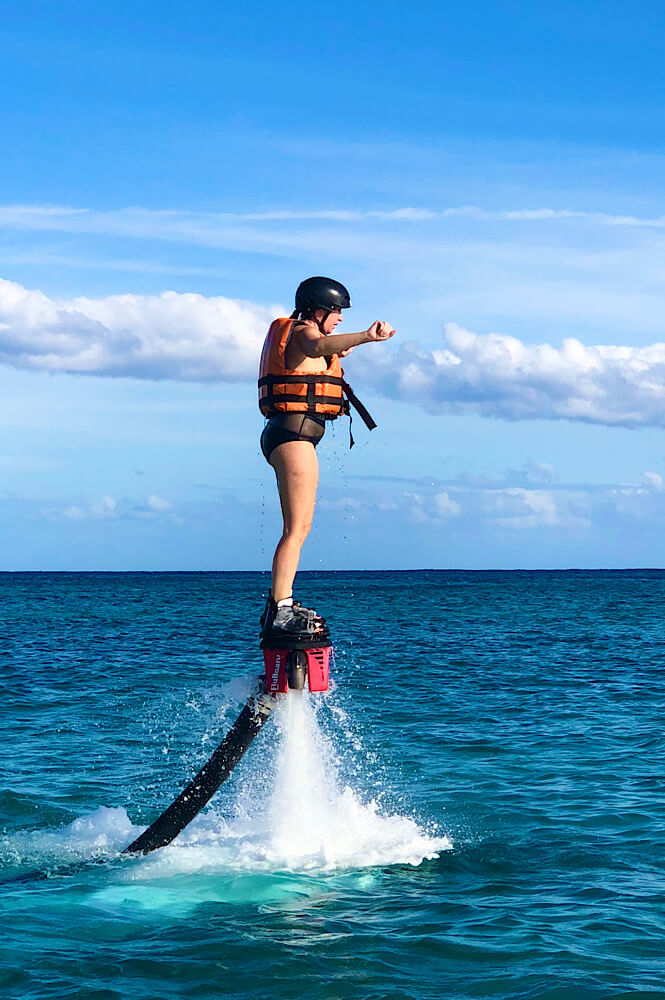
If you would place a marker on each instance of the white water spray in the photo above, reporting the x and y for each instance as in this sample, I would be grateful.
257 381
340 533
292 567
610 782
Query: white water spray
291 812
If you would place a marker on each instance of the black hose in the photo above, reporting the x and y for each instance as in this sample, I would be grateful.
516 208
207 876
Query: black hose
202 788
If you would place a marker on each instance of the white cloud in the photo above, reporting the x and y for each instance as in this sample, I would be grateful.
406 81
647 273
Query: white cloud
177 336
189 337
205 227
109 508
105 507
445 507
652 481
530 509
540 472
481 522
158 503
94 509
496 504
522 508
73 513
568 510
495 375
564 511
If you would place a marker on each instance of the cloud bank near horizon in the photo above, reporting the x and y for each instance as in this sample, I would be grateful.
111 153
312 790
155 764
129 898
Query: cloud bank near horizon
532 498
189 337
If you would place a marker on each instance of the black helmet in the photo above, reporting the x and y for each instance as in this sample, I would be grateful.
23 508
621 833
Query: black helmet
321 293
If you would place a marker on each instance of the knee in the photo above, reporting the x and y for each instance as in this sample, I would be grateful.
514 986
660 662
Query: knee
298 532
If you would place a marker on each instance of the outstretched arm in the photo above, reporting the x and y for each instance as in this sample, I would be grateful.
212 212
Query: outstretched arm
313 345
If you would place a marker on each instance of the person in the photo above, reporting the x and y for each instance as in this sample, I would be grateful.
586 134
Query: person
301 386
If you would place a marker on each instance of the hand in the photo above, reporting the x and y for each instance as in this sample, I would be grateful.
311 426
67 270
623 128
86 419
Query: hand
379 331
344 354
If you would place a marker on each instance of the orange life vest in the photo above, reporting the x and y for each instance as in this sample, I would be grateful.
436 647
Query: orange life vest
293 390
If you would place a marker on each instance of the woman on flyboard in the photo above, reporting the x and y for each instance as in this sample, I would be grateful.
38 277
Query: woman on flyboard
301 386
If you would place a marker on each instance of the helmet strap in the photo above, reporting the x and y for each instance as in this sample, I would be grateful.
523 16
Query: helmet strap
308 314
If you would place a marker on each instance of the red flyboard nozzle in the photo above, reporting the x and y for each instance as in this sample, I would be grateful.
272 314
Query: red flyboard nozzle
275 666
318 668
288 668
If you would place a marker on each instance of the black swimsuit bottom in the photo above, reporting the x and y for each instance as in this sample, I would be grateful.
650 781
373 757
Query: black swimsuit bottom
283 427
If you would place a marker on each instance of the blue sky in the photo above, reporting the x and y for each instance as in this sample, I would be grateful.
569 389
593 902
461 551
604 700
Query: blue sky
487 177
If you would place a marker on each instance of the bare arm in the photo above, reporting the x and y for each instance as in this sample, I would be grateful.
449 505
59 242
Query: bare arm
313 345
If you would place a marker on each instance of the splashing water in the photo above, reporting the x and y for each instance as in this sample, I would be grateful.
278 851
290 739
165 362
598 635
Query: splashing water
292 812
319 823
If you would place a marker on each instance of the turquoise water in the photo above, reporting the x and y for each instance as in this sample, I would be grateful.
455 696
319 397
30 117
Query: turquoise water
476 810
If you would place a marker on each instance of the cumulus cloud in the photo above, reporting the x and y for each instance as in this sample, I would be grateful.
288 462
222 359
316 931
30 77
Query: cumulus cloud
176 336
495 375
530 509
190 337
445 507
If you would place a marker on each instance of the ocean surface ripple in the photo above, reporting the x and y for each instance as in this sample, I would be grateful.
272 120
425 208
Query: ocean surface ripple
475 809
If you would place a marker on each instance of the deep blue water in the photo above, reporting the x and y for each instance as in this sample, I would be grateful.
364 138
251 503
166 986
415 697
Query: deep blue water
518 714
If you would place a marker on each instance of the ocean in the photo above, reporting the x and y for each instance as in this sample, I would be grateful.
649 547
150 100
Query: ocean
475 809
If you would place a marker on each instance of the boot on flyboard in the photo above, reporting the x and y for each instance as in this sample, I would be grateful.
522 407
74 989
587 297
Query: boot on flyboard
296 648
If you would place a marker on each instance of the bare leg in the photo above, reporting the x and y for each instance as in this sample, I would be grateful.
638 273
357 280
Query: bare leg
297 469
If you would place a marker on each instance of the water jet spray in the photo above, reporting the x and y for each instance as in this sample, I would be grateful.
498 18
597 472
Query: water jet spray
291 661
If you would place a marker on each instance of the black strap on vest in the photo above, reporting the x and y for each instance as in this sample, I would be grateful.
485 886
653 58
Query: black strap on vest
310 400
271 397
363 412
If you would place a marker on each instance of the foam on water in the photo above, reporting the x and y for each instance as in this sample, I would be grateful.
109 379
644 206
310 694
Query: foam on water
100 834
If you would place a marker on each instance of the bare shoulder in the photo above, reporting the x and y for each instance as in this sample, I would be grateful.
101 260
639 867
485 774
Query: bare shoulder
302 331
305 324
306 328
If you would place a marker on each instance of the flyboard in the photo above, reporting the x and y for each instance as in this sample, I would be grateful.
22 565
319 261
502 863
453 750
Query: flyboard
291 661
